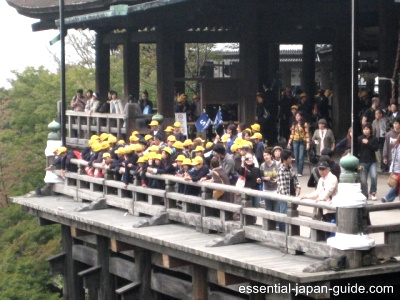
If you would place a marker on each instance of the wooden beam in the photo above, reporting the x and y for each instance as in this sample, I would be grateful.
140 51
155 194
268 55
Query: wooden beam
45 222
225 279
127 290
56 263
170 262
118 246
76 232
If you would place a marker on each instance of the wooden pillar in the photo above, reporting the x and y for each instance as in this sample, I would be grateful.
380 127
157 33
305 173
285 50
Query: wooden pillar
143 272
308 74
341 54
262 63
131 69
165 72
273 63
102 65
73 284
107 288
249 67
179 66
388 37
200 283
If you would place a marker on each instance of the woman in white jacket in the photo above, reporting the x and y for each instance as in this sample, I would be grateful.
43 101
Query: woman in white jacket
116 106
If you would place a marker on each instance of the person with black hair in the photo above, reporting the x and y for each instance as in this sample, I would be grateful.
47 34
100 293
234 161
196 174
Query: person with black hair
287 182
232 132
301 141
390 140
367 146
146 104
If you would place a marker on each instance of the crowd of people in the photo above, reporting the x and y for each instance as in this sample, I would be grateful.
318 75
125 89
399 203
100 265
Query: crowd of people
242 153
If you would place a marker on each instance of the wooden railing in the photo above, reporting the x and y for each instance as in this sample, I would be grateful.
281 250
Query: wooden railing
207 214
81 125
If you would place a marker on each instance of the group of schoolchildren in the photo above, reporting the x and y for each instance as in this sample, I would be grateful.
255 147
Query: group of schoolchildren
167 151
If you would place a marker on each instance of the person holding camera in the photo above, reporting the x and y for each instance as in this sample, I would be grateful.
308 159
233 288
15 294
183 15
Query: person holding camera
300 138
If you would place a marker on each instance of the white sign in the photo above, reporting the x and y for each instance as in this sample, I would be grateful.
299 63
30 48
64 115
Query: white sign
181 117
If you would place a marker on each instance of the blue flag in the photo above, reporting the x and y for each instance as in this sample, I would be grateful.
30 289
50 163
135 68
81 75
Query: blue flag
218 119
203 122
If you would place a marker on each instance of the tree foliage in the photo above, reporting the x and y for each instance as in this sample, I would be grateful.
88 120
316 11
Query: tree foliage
26 109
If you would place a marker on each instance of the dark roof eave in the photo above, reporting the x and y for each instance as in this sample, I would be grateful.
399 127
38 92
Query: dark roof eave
107 14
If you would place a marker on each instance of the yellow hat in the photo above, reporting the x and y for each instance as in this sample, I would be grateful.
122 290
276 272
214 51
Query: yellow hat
177 124
180 157
106 155
141 159
94 137
128 149
187 161
104 136
55 149
234 148
247 144
153 123
158 156
199 139
120 150
169 129
248 129
96 147
255 127
238 141
225 138
146 156
257 135
135 133
121 142
187 143
178 145
197 160
294 107
151 155
363 94
181 98
112 139
168 150
199 148
133 138
209 145
154 148
105 145
61 150
171 138
148 137
302 95
137 148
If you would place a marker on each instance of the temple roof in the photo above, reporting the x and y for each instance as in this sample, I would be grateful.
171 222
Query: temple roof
285 16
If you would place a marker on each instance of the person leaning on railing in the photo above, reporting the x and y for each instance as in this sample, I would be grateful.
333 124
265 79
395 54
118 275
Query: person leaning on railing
327 188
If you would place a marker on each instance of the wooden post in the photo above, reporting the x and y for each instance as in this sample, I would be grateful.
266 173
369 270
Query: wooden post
73 284
349 221
179 66
249 66
308 76
131 69
200 284
106 290
165 71
102 65
341 55
143 272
